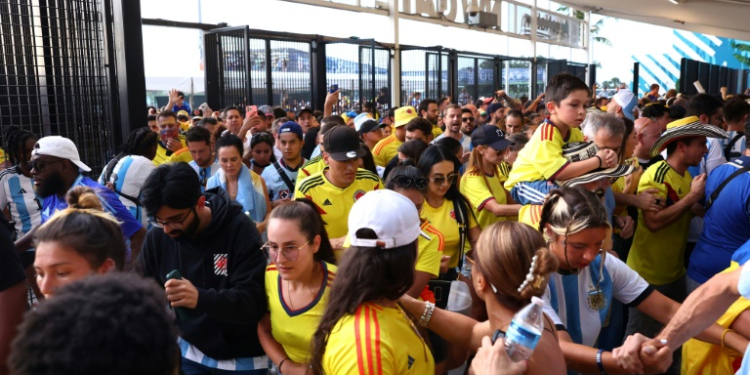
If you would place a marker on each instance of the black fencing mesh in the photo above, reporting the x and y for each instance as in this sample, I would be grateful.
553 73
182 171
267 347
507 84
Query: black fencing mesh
291 81
227 69
424 74
53 74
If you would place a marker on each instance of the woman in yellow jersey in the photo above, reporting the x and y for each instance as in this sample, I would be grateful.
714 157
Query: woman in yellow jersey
623 188
482 184
363 331
298 282
445 207
506 256
243 185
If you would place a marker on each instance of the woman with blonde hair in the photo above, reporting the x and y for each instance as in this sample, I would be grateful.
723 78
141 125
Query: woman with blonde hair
78 241
482 184
511 265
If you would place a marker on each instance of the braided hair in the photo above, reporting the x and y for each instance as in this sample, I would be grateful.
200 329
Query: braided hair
15 139
138 142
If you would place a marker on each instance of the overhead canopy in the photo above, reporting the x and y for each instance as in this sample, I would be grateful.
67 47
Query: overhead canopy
727 18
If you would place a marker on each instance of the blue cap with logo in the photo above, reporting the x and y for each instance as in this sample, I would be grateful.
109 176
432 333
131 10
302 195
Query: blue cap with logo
291 127
490 135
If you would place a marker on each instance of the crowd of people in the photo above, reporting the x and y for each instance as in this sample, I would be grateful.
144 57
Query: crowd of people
254 240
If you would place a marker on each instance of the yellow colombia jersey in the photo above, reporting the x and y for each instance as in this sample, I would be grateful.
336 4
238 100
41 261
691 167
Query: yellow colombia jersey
309 168
161 152
293 329
334 203
182 155
2 156
658 256
386 150
436 131
376 340
430 250
531 215
541 158
700 357
504 171
475 188
443 219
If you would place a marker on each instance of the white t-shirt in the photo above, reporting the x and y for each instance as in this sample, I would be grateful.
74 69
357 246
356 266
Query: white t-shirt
566 297
128 177
17 193
465 141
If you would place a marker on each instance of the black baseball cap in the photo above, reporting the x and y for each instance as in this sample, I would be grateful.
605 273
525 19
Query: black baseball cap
342 144
303 109
490 135
369 125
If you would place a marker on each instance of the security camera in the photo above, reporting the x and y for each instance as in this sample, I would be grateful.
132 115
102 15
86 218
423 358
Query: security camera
472 10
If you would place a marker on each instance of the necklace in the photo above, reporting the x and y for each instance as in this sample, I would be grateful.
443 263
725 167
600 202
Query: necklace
313 290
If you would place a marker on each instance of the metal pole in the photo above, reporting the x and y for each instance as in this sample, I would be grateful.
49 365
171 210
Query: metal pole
396 72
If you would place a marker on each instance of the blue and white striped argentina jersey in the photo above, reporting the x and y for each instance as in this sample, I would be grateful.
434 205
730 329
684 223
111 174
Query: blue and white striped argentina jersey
566 300
128 177
277 189
18 195
205 173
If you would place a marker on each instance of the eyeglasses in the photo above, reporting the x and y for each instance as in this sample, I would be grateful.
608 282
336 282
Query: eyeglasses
451 178
173 224
203 177
40 165
405 182
467 119
290 252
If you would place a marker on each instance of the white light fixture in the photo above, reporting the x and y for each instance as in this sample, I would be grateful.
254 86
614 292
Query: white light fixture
675 2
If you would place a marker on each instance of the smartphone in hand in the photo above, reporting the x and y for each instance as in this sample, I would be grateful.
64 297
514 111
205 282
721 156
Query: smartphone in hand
334 88
251 111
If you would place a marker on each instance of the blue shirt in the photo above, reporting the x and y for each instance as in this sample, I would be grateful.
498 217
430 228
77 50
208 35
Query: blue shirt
110 202
184 107
726 225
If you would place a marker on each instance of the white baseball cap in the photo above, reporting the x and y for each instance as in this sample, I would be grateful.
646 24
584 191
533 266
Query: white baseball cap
60 147
627 100
392 216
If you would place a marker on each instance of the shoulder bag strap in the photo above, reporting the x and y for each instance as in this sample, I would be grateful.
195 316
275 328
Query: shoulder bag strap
284 177
730 145
710 201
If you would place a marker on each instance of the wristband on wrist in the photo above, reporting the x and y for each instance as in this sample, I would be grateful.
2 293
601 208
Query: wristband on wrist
282 363
600 160
599 363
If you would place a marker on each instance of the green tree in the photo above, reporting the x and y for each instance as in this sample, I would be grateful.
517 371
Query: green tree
594 28
615 82
742 50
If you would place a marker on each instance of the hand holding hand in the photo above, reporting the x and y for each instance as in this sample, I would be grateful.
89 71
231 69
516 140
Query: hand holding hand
647 200
656 356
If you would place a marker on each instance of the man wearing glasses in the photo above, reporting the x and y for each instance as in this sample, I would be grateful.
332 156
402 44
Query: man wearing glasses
219 295
56 168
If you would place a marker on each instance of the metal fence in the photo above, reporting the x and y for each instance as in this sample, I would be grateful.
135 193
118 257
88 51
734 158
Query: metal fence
53 73
711 77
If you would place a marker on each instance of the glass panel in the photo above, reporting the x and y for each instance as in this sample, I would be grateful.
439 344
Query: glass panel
516 78
467 86
342 68
291 74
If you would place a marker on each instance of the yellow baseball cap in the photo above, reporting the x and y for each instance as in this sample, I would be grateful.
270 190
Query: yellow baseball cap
403 115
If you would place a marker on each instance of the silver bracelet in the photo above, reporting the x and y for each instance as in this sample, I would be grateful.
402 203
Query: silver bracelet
427 314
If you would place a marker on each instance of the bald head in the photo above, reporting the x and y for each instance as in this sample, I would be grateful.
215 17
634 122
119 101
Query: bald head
648 132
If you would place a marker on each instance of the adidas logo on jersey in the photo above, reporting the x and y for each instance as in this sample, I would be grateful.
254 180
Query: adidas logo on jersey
327 203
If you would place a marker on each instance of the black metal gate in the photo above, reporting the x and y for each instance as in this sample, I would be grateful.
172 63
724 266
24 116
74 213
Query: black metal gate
425 73
245 66
362 71
54 77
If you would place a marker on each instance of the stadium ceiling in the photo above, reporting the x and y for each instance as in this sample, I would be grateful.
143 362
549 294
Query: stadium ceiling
726 18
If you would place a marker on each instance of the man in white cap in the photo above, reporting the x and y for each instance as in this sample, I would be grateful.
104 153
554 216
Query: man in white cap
56 168
623 104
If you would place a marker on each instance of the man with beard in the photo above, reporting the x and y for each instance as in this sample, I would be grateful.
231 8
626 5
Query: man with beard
56 168
428 110
219 295
452 119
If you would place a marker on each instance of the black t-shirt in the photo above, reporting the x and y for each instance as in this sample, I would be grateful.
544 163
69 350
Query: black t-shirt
651 162
11 270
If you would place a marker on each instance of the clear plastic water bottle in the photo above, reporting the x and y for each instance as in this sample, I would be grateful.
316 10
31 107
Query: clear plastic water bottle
525 331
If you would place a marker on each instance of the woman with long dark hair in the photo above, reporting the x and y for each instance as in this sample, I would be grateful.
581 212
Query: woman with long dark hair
445 207
363 330
298 283
260 154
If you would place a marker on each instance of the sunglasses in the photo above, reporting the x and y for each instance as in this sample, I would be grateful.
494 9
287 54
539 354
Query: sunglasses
451 178
405 182
40 165
467 119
